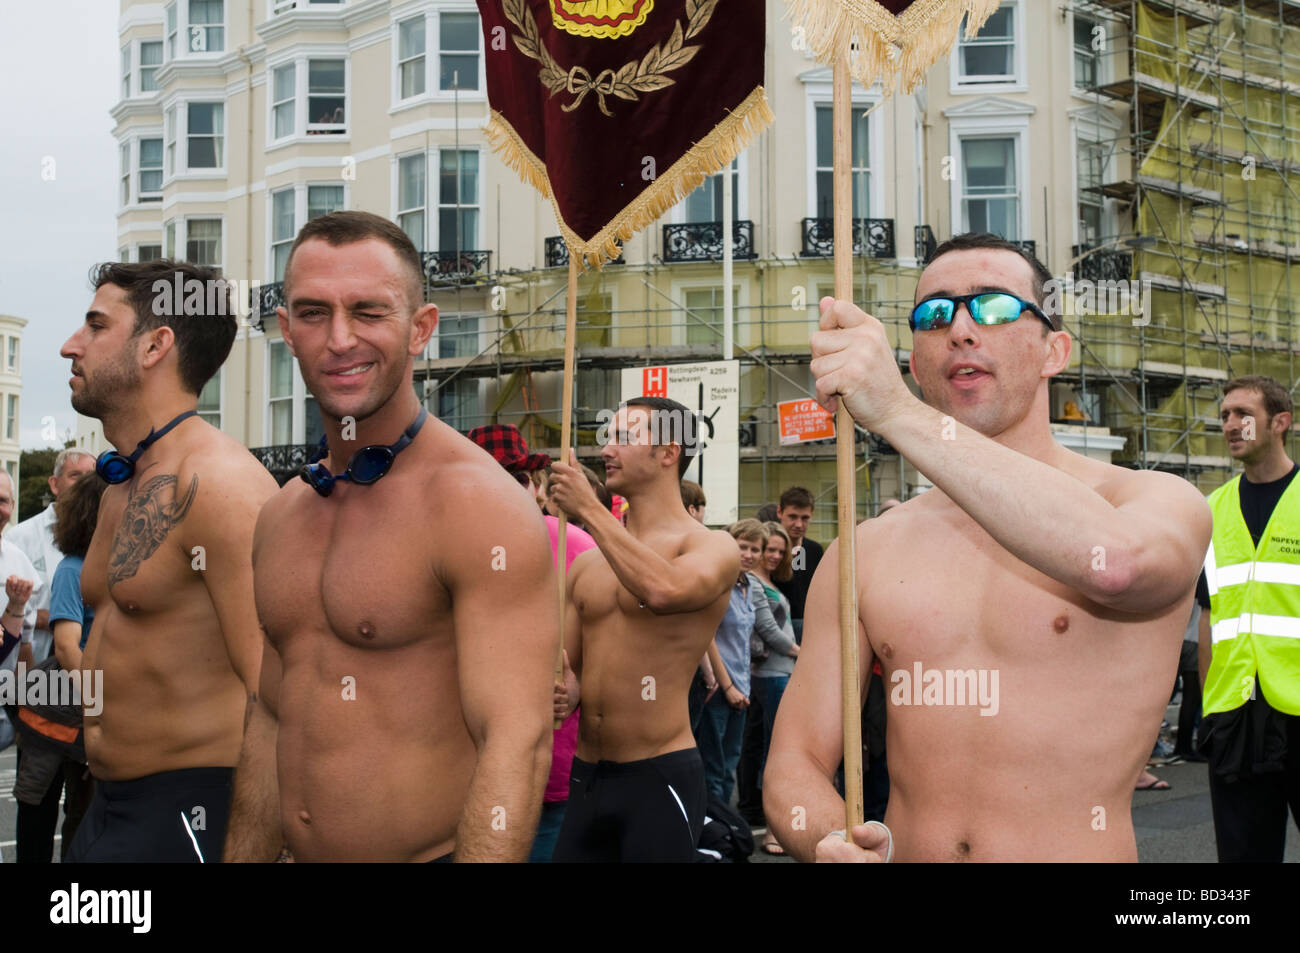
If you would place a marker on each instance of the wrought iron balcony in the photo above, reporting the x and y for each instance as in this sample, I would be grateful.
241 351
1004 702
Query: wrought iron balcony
872 238
262 302
702 241
284 461
448 269
925 243
1029 247
557 253
1107 264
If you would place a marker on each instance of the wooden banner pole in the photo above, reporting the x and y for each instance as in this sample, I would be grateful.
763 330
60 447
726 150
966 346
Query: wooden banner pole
846 489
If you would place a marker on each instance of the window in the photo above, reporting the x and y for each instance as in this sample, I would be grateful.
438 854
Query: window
325 97
126 72
207 33
125 151
151 57
410 58
825 161
458 35
410 197
13 353
704 304
11 418
1092 163
283 83
210 400
991 56
705 203
206 135
203 241
458 337
458 403
280 393
151 170
169 239
323 199
171 141
171 31
990 198
457 207
148 252
1089 41
283 230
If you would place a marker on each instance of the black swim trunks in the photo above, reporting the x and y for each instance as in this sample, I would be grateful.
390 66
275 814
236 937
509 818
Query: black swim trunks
649 811
170 817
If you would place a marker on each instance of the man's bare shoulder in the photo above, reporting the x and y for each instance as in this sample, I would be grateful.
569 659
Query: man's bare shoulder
1122 485
222 462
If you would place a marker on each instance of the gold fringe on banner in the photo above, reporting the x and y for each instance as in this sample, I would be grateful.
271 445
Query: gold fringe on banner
889 48
711 154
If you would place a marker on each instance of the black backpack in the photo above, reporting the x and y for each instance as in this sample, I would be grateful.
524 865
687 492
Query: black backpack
726 838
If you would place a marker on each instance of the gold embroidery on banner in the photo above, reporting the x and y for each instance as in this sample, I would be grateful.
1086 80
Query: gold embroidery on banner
606 19
634 77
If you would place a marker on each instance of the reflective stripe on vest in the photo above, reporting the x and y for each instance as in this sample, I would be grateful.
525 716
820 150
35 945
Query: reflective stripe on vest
1254 604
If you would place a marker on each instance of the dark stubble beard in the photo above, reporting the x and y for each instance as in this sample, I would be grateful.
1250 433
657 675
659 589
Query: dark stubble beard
100 397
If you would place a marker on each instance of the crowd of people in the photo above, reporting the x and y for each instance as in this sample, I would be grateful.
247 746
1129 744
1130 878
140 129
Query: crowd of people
391 659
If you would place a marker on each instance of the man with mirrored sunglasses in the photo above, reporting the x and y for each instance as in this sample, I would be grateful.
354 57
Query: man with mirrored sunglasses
1032 591
407 594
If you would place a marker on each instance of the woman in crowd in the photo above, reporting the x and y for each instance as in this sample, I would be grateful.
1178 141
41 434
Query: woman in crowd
774 657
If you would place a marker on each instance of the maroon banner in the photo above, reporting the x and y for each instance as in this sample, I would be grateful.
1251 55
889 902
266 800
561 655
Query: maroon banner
618 109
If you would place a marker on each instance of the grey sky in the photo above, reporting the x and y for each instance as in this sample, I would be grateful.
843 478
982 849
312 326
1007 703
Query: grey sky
59 63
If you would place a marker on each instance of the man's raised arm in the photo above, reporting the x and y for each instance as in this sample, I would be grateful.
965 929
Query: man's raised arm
706 569
1137 549
503 591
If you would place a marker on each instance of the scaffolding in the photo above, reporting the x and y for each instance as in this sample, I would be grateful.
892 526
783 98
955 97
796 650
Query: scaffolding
1204 175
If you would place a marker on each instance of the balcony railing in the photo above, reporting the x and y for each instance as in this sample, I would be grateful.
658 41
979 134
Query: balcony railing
1029 247
284 461
1110 264
262 302
925 243
872 238
557 253
448 269
702 241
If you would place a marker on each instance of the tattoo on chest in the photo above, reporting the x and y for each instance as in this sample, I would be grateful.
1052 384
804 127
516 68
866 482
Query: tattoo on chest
151 512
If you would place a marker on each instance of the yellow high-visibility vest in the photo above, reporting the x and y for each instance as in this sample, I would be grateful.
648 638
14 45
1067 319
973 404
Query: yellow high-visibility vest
1254 604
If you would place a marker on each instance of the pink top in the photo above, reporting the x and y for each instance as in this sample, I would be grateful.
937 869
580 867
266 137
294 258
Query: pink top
576 541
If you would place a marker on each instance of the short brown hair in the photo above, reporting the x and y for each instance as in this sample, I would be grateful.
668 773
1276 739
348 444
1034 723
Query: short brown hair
204 328
348 228
971 241
692 494
749 530
1277 399
795 496
785 571
76 510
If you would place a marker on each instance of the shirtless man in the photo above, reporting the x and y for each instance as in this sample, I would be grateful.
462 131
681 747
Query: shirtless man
643 609
1067 578
168 571
411 632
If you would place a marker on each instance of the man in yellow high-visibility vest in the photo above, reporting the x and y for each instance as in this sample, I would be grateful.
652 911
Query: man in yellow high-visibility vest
1249 646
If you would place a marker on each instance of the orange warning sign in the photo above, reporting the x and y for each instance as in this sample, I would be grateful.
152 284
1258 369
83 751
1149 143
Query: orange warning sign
804 420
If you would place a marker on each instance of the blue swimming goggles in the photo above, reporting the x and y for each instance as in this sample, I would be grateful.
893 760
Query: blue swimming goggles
114 467
367 465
